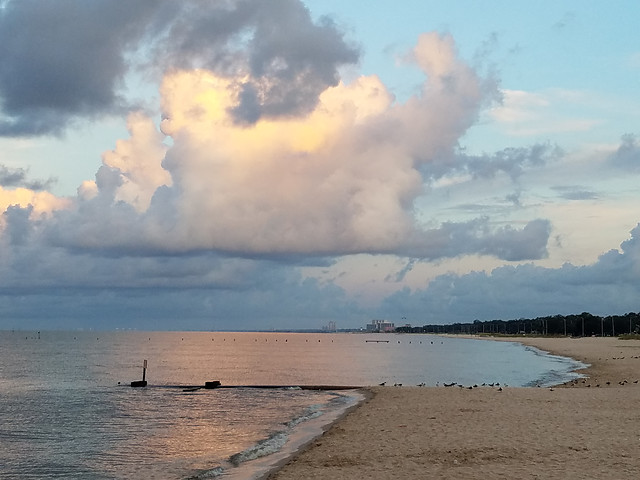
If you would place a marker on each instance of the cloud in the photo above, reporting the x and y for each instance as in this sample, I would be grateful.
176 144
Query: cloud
511 161
42 202
278 71
609 286
136 164
48 286
17 224
479 237
572 192
69 60
340 180
261 150
627 156
64 59
17 177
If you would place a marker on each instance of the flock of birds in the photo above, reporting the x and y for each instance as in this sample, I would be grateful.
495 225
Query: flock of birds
452 384
575 382
572 383
583 382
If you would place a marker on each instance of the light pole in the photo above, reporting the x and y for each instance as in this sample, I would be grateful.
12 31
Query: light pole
613 326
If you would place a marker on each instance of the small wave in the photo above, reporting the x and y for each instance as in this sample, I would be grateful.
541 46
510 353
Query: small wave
266 447
556 377
213 473
318 409
553 378
277 440
312 411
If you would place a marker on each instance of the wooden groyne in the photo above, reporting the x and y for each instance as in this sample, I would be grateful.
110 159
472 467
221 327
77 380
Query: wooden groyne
265 387
216 384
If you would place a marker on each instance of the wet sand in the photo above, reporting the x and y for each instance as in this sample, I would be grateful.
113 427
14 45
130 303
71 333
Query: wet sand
588 429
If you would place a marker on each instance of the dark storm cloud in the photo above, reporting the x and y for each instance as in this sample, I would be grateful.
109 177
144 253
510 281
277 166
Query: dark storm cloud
300 56
288 58
68 59
64 59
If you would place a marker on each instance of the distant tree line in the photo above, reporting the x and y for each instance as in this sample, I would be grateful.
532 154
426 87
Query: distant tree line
583 324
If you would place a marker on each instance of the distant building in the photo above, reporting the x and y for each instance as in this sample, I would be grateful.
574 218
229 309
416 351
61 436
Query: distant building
330 327
380 326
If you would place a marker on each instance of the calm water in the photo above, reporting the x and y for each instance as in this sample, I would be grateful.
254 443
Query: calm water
66 410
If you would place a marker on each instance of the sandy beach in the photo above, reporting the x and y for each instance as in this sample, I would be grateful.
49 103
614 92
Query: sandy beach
588 429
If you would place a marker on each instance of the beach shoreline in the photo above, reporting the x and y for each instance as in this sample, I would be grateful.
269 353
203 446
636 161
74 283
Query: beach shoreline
302 441
584 429
608 359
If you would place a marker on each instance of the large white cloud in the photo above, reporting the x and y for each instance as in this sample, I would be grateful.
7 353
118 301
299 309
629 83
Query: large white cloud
341 179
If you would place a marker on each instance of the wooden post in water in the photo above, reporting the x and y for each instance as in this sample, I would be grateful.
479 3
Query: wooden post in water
143 382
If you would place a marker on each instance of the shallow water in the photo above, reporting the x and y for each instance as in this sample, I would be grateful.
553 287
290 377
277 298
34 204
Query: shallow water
63 413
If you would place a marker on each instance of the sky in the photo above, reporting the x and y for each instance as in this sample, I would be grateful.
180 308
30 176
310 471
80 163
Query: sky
243 164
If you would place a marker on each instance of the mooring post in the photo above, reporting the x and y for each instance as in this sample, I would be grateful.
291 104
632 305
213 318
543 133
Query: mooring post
143 382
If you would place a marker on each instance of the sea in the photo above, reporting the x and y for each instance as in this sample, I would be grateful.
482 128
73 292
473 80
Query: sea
67 409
